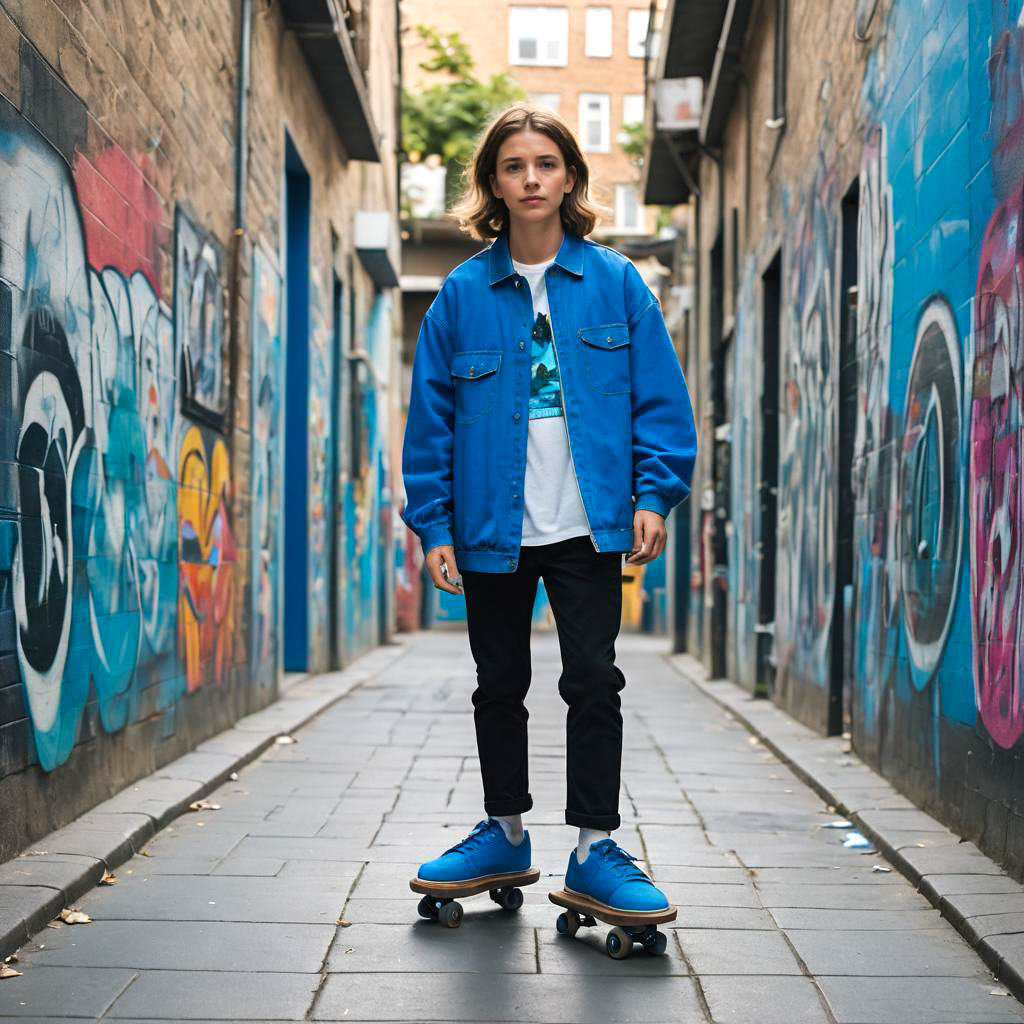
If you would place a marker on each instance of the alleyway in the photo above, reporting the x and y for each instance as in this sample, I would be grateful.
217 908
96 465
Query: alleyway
233 914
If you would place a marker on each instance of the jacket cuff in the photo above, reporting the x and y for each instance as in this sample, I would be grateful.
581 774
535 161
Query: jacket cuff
651 501
434 536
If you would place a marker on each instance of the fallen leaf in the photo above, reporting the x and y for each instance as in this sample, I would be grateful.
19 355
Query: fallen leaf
109 878
34 853
12 959
285 739
349 950
233 776
9 972
998 992
879 870
203 805
343 923
52 924
145 853
69 915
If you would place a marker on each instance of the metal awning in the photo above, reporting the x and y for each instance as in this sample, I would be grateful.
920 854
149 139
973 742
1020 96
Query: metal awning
690 33
725 74
319 27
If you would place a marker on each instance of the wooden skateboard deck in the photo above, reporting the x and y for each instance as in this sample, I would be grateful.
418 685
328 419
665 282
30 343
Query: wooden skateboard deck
472 886
609 915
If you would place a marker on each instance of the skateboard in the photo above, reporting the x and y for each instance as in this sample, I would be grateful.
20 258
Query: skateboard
439 898
628 927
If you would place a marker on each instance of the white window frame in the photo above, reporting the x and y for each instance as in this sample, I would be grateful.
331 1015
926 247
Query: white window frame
620 208
599 32
635 42
552 100
547 24
605 100
635 99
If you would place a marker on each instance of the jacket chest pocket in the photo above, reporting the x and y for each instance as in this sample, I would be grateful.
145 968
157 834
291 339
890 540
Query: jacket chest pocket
606 357
475 377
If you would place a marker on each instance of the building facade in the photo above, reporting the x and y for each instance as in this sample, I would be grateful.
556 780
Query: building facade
855 178
198 256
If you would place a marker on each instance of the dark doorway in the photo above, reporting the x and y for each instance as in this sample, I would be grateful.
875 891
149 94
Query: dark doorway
296 441
768 487
841 681
721 463
334 485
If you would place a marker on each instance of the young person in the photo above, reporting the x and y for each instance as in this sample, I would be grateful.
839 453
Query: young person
549 431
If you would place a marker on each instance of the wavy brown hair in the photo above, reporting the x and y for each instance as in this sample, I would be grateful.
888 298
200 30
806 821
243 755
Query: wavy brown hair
482 215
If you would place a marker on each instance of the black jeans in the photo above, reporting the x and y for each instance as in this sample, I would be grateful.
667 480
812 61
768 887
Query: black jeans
584 588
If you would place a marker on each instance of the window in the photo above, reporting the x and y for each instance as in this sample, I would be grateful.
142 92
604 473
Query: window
594 122
599 32
538 35
637 31
627 209
551 100
632 107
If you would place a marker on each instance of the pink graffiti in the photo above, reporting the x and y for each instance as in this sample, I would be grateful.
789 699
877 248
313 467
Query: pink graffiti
994 477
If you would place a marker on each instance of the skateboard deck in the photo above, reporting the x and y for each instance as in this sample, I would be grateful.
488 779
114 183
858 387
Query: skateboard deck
438 902
584 905
629 927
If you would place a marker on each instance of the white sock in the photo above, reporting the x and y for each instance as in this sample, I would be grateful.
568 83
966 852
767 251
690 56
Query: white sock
588 836
512 826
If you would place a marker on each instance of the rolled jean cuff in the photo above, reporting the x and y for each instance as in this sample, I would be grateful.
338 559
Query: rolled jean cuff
603 822
520 805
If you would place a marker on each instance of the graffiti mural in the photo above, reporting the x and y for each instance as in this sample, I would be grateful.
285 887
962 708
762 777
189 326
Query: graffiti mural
122 556
807 484
320 463
199 320
266 469
207 556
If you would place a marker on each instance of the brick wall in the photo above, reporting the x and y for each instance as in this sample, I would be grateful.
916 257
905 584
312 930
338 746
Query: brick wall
141 490
910 113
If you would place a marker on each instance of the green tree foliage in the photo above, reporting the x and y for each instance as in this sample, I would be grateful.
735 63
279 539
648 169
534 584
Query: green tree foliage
447 117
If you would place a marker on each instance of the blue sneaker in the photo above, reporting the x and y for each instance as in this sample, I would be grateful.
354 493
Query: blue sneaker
610 876
484 853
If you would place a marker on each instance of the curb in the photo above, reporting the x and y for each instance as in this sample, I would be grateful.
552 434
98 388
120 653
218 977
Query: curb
989 916
54 872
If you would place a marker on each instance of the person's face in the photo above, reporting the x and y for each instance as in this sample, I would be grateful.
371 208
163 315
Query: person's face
531 177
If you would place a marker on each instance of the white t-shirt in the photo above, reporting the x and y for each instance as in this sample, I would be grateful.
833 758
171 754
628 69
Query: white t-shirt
553 510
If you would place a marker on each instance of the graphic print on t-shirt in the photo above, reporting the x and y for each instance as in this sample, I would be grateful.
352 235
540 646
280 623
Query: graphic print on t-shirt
545 387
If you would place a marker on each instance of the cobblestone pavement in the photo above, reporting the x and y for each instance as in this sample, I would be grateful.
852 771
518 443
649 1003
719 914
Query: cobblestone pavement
234 912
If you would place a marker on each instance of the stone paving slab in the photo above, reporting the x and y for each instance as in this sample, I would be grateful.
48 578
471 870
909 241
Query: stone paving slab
922 848
116 829
291 902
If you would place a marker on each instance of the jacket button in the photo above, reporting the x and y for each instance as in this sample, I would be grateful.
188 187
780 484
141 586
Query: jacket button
609 341
516 417
472 369
522 344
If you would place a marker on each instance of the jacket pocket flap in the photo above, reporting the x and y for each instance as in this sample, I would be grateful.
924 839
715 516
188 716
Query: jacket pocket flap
472 365
605 336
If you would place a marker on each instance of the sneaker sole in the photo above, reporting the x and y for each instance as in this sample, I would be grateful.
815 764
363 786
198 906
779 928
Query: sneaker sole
471 886
572 900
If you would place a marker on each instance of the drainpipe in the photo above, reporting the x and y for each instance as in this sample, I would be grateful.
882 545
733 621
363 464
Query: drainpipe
241 186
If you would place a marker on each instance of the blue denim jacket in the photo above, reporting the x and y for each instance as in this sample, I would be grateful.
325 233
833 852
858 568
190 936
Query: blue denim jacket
627 409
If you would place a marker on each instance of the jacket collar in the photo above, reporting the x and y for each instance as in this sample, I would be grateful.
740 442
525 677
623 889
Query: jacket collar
569 257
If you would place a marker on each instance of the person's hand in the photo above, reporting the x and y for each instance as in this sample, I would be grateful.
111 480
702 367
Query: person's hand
649 537
441 565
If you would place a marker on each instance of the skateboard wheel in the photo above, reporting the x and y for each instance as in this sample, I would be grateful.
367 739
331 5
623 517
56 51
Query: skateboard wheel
568 923
427 908
450 915
657 944
619 943
510 899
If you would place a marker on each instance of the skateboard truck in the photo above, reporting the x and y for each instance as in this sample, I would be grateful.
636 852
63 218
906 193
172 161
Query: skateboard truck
628 928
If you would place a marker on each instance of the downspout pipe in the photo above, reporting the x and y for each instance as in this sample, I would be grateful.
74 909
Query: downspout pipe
241 188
